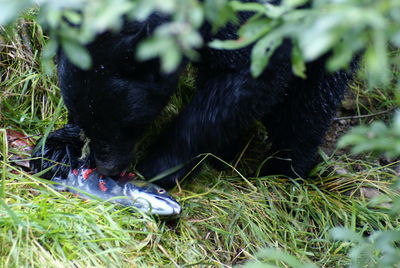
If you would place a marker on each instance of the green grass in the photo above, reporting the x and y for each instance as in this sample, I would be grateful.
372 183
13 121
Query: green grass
227 217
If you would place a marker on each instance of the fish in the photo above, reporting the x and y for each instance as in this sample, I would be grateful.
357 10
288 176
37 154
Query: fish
127 191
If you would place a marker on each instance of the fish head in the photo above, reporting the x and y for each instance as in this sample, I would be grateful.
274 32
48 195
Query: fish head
151 198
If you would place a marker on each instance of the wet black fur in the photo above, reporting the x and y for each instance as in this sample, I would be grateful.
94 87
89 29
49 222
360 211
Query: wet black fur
119 96
62 146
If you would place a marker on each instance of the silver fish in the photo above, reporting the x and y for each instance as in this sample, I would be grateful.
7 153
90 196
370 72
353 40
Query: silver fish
145 196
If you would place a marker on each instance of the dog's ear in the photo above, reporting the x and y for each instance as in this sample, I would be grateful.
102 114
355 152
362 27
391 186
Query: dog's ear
73 162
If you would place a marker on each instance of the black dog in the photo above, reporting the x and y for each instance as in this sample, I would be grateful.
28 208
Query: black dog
118 97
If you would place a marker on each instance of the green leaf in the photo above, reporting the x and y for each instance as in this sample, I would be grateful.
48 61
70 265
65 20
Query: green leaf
256 27
161 46
76 53
252 7
294 3
218 12
166 6
396 123
396 39
49 51
319 37
11 9
52 17
152 47
249 33
344 52
376 59
261 53
344 234
170 59
228 44
196 18
72 16
143 9
109 15
277 255
274 11
298 65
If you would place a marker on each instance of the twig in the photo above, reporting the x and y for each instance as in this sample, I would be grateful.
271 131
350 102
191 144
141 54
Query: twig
167 255
364 115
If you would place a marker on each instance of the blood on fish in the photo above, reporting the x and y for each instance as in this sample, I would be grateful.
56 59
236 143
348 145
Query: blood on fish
102 186
86 173
75 172
131 174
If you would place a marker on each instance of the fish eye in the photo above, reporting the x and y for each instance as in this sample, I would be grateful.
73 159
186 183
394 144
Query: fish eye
161 191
